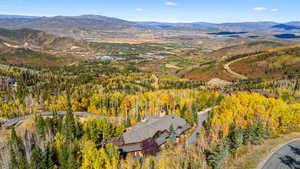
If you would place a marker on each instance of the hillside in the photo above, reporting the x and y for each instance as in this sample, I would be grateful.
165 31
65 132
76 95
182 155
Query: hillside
32 47
21 56
274 63
2 46
37 39
215 69
243 49
268 63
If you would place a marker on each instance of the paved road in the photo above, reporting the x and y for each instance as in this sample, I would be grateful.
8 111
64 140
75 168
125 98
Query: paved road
287 157
15 121
202 116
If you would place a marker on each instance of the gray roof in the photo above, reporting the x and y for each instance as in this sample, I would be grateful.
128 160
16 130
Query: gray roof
148 129
11 80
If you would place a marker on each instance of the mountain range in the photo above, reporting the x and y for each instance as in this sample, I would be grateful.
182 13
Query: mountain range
101 27
67 31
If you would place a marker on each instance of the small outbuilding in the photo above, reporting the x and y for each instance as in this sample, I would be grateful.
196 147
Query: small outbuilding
218 83
8 84
11 81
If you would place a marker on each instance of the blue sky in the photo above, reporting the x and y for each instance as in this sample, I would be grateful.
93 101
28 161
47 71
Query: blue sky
160 10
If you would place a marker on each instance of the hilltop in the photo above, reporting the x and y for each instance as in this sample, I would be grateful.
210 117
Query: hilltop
34 38
27 46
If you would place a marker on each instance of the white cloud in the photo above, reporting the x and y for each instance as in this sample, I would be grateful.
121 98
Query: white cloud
260 9
169 3
140 9
274 10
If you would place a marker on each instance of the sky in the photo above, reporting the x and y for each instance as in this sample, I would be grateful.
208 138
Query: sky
218 11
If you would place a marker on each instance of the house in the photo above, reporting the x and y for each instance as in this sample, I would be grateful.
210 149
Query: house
218 83
8 84
11 81
146 137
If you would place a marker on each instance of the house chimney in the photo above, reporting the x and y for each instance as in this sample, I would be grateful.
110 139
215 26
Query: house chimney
162 113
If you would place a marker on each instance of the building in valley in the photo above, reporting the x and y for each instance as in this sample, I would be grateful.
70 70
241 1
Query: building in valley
8 84
146 137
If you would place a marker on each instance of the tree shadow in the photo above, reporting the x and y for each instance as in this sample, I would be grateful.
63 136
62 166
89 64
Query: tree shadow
290 162
295 150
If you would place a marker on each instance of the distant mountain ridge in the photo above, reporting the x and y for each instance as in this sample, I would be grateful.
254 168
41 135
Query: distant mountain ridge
170 25
111 20
79 27
35 38
235 27
286 27
84 21
102 27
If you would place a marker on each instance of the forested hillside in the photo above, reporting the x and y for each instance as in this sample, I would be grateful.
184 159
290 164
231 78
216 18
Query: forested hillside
82 97
274 63
244 113
156 85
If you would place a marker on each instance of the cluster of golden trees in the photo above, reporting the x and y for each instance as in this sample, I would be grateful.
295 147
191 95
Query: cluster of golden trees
242 110
184 102
240 119
104 158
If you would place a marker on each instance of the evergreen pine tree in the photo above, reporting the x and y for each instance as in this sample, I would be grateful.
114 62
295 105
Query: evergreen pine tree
50 156
172 135
16 152
37 159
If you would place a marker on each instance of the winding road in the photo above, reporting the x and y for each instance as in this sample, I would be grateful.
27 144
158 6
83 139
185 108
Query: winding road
235 74
286 157
226 67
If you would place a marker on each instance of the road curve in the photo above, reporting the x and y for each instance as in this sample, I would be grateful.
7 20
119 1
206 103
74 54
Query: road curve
235 74
286 157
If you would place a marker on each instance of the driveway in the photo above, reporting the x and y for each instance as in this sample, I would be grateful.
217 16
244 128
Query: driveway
202 116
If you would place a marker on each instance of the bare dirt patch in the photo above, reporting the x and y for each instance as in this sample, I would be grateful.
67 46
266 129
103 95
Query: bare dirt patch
172 66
